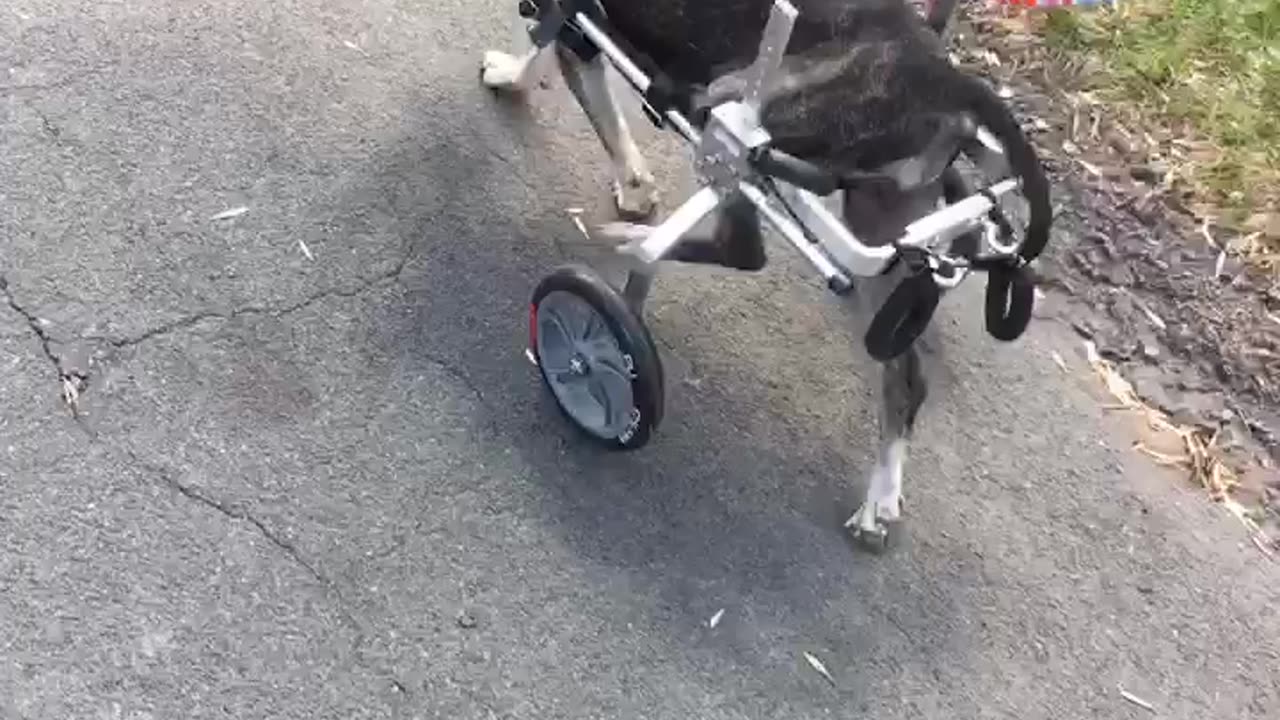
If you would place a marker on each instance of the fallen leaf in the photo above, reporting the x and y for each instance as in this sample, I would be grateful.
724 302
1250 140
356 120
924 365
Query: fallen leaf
1119 388
1091 353
1093 170
819 668
1154 318
232 213
1162 458
1059 361
575 214
1070 148
1137 700
1261 543
715 619
70 393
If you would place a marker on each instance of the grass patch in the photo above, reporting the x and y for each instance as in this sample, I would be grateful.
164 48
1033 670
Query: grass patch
1205 72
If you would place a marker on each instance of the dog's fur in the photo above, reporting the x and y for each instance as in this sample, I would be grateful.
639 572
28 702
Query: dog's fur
865 83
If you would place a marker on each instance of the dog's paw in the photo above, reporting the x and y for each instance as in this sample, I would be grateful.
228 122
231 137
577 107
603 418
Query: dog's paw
873 523
500 71
637 199
622 233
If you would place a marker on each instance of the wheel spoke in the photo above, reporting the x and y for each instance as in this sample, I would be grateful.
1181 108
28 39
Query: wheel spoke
591 326
555 342
604 351
556 320
600 394
577 315
585 406
616 387
556 372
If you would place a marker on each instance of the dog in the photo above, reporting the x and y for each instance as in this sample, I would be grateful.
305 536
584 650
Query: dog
865 86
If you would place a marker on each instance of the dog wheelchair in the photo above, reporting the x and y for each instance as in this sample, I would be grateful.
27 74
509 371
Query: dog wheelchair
589 339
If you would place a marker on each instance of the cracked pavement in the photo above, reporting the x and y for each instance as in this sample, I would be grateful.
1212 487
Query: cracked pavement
332 487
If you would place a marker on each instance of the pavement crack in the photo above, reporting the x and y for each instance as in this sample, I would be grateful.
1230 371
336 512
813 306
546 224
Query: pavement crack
167 328
452 369
243 515
33 322
388 276
71 383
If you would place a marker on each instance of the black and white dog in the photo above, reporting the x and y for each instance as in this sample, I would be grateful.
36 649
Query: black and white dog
866 87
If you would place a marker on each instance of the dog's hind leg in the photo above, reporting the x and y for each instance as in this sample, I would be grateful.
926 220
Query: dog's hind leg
503 71
635 190
902 395
737 241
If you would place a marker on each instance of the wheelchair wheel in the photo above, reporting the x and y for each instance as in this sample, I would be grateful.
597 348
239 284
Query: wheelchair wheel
597 358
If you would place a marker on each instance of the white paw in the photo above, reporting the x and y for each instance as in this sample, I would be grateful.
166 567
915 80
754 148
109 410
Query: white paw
637 199
500 71
870 523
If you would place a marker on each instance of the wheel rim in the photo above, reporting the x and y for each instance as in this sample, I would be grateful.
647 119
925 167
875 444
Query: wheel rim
587 370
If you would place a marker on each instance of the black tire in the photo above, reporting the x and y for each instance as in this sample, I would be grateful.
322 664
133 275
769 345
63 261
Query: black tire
634 340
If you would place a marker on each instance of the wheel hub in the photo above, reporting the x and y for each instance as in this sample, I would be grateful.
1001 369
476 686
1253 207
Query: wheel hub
578 366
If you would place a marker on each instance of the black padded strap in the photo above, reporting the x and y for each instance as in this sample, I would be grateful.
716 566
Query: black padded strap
550 19
903 317
1010 301
571 36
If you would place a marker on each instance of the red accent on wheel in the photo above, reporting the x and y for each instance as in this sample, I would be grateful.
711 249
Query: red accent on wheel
533 328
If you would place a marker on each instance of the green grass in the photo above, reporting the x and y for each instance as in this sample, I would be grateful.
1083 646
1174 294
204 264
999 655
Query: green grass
1210 67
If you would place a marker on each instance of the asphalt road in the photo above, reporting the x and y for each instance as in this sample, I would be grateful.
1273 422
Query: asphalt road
331 487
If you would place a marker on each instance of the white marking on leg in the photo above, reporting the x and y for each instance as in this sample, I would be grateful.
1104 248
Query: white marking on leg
889 502
635 190
503 71
883 503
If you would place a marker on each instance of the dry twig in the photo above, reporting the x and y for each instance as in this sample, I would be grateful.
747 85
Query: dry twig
1202 458
819 668
1137 700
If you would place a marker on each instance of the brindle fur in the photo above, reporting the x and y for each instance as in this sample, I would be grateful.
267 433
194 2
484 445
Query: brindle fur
864 83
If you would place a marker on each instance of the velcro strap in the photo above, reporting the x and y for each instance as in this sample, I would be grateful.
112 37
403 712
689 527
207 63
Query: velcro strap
1010 300
903 317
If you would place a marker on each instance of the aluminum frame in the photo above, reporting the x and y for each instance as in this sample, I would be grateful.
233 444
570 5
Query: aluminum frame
733 130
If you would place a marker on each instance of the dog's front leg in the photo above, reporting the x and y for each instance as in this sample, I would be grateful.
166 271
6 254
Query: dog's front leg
903 393
635 190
